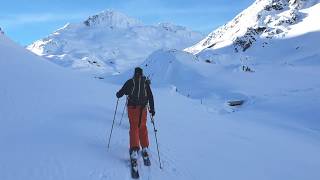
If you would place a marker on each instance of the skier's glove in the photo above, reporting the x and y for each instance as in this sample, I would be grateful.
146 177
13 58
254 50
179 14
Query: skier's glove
118 95
152 112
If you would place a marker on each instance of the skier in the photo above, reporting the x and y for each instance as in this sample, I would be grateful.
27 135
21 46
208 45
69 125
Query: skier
139 95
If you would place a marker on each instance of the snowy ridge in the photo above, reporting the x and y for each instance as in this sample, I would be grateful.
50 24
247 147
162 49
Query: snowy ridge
110 42
111 19
264 19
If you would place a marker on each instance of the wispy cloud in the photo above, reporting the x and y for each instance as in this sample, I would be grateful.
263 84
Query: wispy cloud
14 20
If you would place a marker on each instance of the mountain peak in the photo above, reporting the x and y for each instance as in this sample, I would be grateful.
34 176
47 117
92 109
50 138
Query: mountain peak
113 19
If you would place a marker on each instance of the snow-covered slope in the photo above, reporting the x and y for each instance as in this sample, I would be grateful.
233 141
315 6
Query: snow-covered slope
54 122
259 24
45 115
110 42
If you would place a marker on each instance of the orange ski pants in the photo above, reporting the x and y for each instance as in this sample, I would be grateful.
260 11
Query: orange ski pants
138 135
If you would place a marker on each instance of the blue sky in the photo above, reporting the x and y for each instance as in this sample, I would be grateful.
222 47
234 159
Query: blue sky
28 20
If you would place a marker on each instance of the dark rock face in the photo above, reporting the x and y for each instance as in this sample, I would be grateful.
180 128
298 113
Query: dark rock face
276 5
92 20
235 103
246 41
111 19
271 27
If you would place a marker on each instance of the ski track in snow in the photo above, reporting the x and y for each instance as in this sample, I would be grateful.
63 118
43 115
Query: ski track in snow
171 168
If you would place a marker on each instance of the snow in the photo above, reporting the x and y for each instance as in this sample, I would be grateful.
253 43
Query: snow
54 121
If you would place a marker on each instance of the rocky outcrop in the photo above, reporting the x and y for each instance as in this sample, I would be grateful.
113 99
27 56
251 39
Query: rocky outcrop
264 19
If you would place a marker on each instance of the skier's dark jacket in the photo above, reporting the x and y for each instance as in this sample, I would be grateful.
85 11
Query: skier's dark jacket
134 82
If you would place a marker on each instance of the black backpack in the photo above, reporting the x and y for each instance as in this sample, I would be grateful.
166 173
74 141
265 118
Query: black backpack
138 94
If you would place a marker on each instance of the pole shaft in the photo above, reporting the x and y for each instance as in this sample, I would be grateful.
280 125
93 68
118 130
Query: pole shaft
155 134
123 111
114 117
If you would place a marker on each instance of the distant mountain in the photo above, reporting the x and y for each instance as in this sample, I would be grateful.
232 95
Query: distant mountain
263 21
110 42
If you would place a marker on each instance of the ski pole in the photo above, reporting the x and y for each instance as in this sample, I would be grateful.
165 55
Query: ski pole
155 134
123 111
114 117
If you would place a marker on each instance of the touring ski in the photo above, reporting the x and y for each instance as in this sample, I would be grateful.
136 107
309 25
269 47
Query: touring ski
134 169
146 160
145 157
134 164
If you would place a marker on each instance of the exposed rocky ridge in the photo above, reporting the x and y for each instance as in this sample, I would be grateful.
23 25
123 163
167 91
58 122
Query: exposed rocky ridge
265 19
